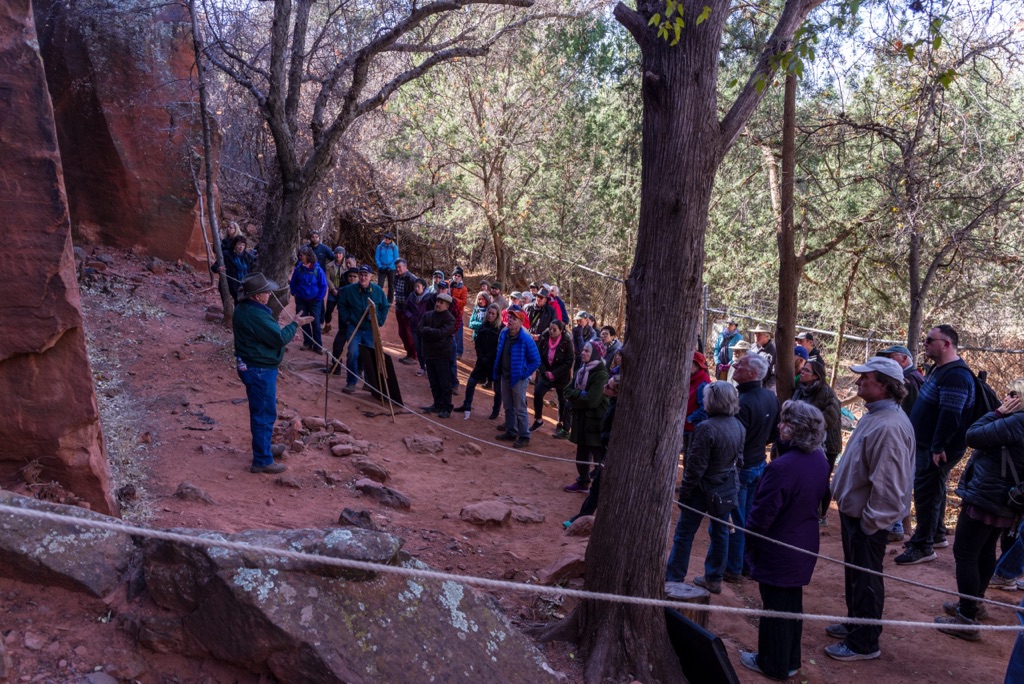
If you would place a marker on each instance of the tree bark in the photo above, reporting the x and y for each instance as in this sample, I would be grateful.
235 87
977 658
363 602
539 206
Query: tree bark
847 293
790 266
683 145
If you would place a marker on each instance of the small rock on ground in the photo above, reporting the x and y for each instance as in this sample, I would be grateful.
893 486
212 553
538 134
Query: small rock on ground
187 491
386 496
581 527
486 513
360 518
374 471
423 444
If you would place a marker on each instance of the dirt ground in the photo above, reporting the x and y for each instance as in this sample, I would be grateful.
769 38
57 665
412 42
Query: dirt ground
174 412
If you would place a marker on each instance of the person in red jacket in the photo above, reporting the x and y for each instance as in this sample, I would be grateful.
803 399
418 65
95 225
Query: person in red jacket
699 380
460 295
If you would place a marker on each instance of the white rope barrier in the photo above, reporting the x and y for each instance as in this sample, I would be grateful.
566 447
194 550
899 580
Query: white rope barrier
837 561
420 573
333 361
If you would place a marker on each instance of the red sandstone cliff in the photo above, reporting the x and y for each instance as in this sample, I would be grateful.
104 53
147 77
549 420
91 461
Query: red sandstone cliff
118 74
48 410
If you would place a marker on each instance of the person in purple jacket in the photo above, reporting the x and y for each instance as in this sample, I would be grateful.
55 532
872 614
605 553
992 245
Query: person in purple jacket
785 508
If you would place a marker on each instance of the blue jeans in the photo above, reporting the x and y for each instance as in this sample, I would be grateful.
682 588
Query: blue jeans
261 389
930 495
1015 670
1011 563
455 368
311 332
682 542
362 337
749 479
513 397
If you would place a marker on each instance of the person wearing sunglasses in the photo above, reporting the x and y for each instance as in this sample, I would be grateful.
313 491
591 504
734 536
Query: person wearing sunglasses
940 418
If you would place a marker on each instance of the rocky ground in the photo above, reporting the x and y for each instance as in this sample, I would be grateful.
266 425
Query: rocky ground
174 413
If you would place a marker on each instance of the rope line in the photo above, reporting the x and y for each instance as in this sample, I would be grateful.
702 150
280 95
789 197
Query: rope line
852 566
123 528
830 559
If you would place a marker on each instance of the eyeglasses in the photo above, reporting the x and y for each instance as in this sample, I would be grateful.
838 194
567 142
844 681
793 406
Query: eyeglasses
929 340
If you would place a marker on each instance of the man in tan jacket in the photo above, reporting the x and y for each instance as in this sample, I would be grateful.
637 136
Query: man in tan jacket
871 488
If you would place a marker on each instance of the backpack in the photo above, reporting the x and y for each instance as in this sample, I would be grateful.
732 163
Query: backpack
985 398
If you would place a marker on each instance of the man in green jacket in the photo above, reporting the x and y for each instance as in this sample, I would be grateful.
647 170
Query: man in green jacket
352 302
259 350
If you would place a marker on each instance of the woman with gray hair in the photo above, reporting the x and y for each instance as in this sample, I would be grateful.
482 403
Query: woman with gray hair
709 475
785 508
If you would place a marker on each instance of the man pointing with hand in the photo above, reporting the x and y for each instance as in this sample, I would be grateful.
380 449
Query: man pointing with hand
259 350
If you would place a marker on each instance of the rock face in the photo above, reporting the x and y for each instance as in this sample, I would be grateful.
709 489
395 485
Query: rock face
126 119
307 625
59 554
46 389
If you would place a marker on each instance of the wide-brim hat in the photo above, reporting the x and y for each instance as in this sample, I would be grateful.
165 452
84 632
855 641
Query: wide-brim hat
389 236
760 328
741 345
255 284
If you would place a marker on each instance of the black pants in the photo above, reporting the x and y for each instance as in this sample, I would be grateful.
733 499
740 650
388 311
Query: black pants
542 387
778 640
827 499
387 274
974 550
439 373
930 496
865 593
471 392
589 506
585 455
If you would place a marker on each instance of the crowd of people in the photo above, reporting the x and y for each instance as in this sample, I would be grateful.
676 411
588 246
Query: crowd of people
916 429
749 463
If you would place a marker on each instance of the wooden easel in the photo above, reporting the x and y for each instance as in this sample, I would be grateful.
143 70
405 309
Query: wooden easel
378 349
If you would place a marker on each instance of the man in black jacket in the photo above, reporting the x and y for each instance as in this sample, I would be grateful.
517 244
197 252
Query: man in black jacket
759 415
540 313
436 330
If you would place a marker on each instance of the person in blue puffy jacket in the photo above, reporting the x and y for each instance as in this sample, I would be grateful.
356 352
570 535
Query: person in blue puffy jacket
309 287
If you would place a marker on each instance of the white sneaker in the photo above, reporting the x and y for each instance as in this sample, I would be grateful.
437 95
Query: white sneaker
1003 583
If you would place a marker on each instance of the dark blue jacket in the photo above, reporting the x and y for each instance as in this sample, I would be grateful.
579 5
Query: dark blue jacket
525 357
785 508
759 414
943 408
308 282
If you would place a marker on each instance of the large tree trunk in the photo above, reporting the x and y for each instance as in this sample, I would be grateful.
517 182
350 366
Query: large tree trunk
790 267
280 239
681 152
683 145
